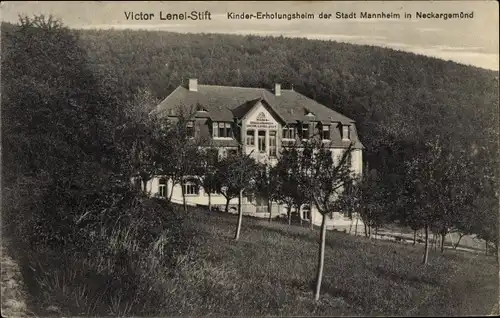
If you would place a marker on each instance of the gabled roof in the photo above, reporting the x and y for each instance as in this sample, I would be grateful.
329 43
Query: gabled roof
224 103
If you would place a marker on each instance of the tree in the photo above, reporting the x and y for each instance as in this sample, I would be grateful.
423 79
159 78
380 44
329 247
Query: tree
140 134
208 174
285 174
179 151
327 180
235 174
438 191
364 195
485 222
265 185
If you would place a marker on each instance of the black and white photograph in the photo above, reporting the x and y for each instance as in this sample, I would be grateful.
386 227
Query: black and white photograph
249 158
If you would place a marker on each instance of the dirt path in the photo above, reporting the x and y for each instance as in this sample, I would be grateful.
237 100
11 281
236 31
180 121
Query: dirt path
13 304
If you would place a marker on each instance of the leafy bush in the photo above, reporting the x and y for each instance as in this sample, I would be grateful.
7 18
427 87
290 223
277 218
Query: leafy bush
127 257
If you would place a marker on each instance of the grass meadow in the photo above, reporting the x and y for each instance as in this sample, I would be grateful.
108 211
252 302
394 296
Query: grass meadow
270 271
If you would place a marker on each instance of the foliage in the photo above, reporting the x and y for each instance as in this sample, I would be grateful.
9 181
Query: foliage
81 230
209 159
364 195
235 173
140 136
178 152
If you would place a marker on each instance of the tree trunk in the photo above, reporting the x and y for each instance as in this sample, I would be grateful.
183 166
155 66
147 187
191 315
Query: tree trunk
498 253
369 232
434 241
321 258
227 205
171 192
289 215
443 235
270 209
311 224
356 229
458 242
209 201
366 229
183 197
376 232
299 213
426 251
414 237
486 247
145 184
240 216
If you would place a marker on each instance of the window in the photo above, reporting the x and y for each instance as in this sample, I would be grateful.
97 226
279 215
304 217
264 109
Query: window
305 131
250 138
346 132
190 188
200 108
190 129
162 188
262 141
306 212
221 130
288 132
272 143
325 132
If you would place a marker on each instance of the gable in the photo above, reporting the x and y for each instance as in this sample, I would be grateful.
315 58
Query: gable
261 115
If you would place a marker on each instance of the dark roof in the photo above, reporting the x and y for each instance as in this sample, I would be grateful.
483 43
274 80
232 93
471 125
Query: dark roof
223 103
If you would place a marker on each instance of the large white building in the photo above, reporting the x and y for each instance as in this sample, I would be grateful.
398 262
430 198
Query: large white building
259 122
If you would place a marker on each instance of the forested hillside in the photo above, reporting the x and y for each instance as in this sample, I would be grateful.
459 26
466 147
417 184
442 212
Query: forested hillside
396 97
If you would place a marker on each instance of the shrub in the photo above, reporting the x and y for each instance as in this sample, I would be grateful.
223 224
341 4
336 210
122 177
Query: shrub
125 248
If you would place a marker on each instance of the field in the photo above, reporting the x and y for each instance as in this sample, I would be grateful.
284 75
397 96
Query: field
271 271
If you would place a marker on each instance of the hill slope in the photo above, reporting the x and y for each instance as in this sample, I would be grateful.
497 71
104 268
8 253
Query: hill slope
393 95
398 99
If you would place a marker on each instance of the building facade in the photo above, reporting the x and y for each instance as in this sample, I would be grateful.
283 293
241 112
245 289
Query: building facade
258 122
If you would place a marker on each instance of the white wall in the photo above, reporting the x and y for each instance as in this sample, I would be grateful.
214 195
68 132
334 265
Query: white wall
271 123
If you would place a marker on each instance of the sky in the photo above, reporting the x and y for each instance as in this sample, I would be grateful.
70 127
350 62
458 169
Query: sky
471 41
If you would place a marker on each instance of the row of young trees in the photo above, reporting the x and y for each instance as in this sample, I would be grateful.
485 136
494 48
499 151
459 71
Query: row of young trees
437 195
307 175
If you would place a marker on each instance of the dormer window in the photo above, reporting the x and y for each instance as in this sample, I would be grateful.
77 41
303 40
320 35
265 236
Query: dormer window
221 130
190 129
325 132
345 132
308 112
200 108
305 131
289 132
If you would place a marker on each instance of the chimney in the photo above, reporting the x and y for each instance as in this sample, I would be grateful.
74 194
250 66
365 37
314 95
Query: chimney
277 89
193 84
